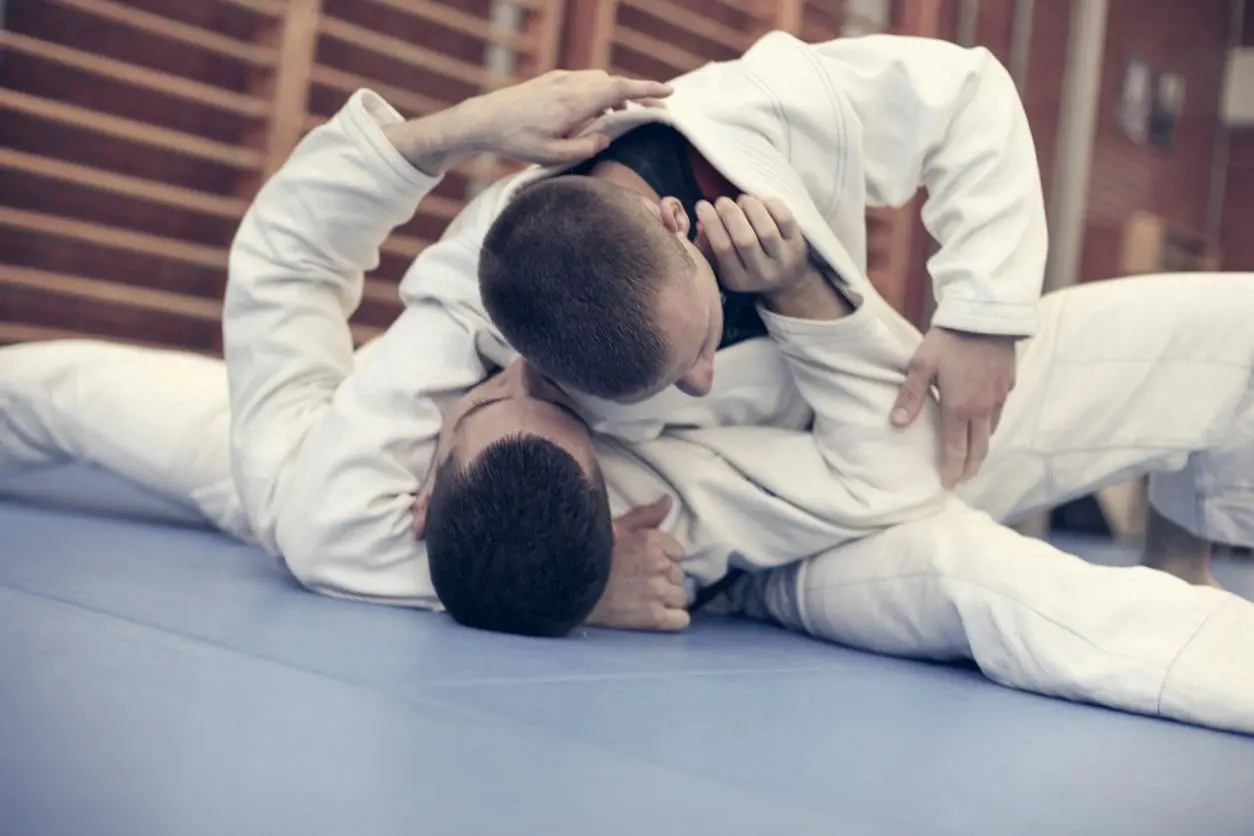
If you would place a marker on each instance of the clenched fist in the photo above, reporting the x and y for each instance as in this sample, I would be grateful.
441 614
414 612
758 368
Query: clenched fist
646 586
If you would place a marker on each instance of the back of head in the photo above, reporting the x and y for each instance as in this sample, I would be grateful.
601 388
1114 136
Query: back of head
570 272
519 541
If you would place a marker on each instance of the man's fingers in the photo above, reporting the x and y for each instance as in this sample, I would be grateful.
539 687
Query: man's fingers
913 393
672 548
764 226
674 620
675 596
981 429
625 89
783 217
720 241
645 516
996 417
675 574
743 238
571 149
955 436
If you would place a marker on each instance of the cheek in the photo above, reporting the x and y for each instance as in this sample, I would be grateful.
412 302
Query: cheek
714 299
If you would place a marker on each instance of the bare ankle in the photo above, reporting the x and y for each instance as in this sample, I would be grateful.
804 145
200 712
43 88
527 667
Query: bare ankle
1169 548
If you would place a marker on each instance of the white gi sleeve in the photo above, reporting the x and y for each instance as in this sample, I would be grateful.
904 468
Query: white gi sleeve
949 119
327 459
843 369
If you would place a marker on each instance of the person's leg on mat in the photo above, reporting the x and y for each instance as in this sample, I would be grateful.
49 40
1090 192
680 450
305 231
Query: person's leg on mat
1133 376
1170 548
156 418
959 585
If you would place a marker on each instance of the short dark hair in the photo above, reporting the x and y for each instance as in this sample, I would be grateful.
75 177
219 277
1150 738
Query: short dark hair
570 273
520 539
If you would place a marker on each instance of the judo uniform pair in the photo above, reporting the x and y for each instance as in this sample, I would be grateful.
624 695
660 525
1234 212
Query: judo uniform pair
789 468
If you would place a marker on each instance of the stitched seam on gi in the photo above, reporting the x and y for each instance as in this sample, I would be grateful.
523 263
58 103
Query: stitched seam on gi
1158 705
838 168
1034 446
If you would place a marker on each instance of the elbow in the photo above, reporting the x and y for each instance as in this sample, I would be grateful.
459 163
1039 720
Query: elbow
311 553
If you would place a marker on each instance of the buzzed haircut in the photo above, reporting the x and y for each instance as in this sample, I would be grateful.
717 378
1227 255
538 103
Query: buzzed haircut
570 273
519 540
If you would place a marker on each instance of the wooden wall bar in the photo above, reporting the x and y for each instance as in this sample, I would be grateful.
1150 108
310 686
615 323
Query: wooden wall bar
133 133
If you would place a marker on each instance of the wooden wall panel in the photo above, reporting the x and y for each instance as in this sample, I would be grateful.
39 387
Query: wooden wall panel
120 145
1237 243
1183 36
133 134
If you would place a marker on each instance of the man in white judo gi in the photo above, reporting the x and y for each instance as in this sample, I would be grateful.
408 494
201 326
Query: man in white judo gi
943 582
602 281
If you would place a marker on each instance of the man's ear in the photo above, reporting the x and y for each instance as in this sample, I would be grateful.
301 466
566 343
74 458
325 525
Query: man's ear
421 502
674 218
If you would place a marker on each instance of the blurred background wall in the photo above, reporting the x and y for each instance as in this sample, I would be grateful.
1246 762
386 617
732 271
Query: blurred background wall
134 132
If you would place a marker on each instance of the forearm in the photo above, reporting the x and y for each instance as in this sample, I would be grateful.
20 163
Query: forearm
296 275
814 298
435 143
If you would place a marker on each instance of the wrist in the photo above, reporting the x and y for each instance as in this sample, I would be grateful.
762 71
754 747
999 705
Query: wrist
810 297
434 144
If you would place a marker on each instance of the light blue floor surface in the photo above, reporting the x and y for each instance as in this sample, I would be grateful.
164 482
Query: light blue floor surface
164 681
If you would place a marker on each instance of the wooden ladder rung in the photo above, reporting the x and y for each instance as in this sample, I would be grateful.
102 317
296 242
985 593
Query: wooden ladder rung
112 237
179 197
153 24
129 129
650 47
402 50
134 74
101 290
404 245
467 24
682 18
270 8
413 104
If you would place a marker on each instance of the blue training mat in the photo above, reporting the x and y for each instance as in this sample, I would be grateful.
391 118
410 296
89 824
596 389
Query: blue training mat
165 681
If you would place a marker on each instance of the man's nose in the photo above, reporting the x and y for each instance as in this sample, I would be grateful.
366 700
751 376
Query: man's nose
699 380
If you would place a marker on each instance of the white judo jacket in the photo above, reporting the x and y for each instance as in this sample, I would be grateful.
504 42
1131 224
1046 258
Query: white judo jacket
830 129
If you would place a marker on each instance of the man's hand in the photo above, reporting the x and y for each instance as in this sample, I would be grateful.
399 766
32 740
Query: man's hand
646 588
537 121
974 373
757 244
